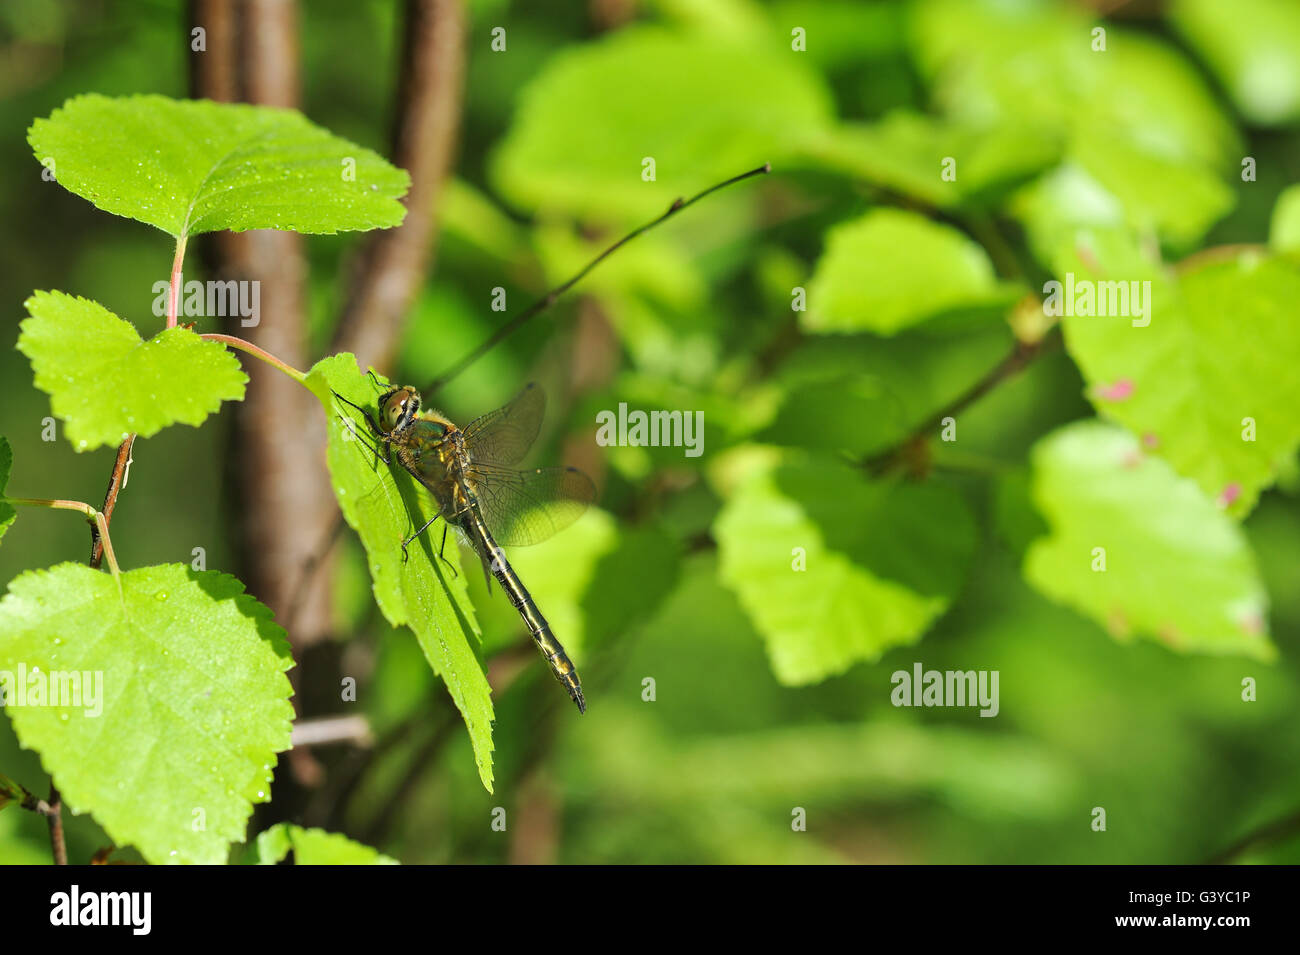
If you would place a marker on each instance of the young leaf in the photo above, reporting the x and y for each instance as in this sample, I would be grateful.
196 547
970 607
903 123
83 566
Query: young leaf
104 381
7 512
193 166
1136 118
1253 47
183 700
1209 384
891 269
582 132
834 569
425 591
310 847
1139 549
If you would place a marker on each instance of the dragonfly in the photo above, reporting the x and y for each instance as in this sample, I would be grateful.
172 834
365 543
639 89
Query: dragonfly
471 474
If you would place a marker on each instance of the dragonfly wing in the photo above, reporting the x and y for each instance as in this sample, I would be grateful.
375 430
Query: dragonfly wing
527 507
504 436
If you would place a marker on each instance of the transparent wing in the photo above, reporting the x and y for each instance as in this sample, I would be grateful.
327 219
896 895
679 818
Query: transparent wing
504 436
527 507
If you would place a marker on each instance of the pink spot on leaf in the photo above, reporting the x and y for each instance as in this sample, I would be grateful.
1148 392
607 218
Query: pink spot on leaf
1229 494
1119 391
1150 440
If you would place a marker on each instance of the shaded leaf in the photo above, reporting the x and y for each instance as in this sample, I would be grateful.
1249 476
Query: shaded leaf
881 563
7 512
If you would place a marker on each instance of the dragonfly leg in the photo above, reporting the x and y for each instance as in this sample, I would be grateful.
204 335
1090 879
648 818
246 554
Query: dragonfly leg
405 555
351 426
444 547
374 428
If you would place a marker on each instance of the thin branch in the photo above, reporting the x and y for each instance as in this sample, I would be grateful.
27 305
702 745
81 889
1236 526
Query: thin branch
116 482
1021 356
1275 831
14 791
174 287
54 817
95 517
549 299
250 348
394 262
326 730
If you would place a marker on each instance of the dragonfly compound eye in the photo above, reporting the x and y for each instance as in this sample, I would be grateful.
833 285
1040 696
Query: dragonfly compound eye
399 407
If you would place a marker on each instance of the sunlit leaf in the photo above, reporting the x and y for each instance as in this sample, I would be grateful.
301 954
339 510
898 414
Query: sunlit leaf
1139 549
891 269
192 166
182 704
104 381
425 592
582 130
310 847
1209 383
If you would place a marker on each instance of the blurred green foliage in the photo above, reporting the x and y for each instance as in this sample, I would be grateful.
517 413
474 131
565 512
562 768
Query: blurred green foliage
771 686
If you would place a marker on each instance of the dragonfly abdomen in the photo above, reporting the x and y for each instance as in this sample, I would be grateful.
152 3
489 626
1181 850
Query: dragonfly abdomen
551 648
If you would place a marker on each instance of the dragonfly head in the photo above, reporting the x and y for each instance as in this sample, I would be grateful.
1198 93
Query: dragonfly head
398 408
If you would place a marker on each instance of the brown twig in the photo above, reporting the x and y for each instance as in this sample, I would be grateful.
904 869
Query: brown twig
54 816
1021 356
549 299
52 808
116 481
394 262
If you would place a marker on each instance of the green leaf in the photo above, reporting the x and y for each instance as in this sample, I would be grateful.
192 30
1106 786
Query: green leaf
714 109
310 847
860 394
1177 569
1253 46
104 381
1284 229
425 592
184 702
891 269
1135 118
882 562
194 166
1209 384
908 152
7 512
1035 66
10 791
